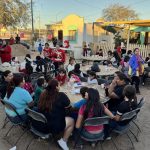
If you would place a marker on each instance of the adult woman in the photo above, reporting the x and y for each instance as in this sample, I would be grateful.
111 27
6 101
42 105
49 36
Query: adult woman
53 104
5 52
6 78
19 97
136 68
92 108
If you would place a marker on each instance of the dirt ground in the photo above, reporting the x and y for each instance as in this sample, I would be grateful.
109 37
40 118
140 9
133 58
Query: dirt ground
123 141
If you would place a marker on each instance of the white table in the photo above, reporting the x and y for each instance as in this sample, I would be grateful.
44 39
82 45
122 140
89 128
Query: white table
104 70
76 97
94 58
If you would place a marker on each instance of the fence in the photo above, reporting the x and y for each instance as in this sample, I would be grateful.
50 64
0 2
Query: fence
144 49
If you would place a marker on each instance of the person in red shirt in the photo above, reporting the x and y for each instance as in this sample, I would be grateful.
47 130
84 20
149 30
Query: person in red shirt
5 52
61 77
58 57
11 41
47 51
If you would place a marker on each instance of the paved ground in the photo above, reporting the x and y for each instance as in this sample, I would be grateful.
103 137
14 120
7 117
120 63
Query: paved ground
122 141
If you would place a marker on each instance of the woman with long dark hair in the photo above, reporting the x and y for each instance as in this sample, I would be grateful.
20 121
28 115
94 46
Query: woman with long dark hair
136 68
19 97
92 108
53 104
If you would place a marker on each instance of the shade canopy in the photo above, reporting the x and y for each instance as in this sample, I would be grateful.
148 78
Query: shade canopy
141 29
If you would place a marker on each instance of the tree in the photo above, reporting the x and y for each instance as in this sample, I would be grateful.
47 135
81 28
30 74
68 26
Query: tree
14 13
117 12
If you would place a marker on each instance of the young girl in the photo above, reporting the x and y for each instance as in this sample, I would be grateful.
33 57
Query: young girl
71 64
61 77
39 90
92 108
129 104
27 85
92 79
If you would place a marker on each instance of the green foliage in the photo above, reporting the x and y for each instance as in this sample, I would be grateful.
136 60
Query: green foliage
14 13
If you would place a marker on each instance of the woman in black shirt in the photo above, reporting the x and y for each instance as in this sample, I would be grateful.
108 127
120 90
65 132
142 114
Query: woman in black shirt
53 104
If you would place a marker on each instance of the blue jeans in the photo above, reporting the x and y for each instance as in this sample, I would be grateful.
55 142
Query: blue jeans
18 120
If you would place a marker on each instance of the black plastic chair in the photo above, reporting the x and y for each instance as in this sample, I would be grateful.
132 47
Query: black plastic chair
35 116
120 130
19 123
140 105
97 121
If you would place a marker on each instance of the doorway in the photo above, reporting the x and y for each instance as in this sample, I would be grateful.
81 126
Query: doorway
60 38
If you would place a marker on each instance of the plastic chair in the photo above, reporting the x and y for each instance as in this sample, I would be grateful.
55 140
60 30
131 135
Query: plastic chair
35 116
124 129
97 121
20 123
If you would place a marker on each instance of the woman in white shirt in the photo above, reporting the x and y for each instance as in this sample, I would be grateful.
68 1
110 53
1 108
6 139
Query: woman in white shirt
70 67
92 79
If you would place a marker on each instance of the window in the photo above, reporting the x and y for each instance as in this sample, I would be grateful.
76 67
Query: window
72 35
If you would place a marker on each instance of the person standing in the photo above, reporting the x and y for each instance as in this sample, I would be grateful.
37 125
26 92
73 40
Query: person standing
5 52
40 48
47 51
136 68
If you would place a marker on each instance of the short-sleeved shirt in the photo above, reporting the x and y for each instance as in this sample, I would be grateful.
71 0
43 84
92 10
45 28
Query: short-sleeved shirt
20 98
37 94
79 103
125 107
92 129
113 103
56 117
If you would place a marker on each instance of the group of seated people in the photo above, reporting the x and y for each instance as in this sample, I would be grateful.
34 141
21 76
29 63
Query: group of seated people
46 98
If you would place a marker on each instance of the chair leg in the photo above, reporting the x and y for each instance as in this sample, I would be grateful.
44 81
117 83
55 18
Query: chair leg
137 126
29 143
101 145
9 131
5 123
130 140
24 131
134 135
114 144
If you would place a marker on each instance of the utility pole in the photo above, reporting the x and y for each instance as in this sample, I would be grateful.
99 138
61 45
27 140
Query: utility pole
32 25
39 25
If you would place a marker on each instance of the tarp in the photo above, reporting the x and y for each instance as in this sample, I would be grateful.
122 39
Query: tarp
141 29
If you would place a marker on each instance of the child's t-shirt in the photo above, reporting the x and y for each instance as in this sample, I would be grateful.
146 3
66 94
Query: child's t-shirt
91 129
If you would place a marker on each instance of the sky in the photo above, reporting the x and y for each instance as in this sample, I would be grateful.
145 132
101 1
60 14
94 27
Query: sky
51 11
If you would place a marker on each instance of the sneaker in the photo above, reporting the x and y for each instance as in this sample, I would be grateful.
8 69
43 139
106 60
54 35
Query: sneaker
108 138
63 144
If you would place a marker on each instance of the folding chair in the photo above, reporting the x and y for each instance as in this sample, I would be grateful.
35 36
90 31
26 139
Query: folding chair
6 120
97 121
140 105
120 130
19 123
35 116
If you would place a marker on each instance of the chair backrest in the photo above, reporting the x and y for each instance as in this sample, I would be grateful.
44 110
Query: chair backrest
96 121
10 107
130 115
36 116
35 76
141 102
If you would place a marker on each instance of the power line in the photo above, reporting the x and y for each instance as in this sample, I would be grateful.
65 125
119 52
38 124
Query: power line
87 4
